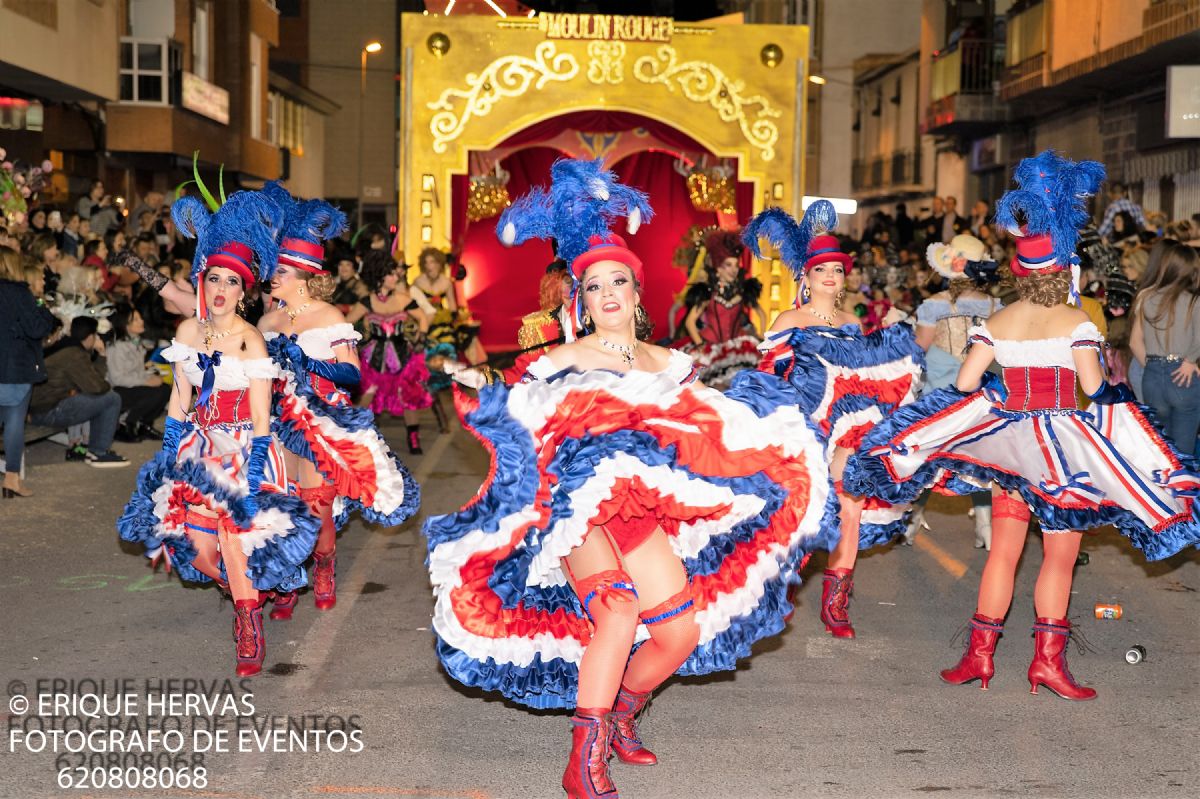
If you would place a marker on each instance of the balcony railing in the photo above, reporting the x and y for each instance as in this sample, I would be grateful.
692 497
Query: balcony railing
972 67
893 171
1023 77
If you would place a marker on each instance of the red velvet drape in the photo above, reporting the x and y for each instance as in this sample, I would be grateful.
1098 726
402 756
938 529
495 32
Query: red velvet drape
502 283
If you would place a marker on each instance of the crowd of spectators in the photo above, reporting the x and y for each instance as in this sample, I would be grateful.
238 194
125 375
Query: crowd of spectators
80 336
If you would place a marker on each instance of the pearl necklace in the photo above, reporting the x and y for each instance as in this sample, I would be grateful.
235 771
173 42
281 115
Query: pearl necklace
294 312
829 320
627 351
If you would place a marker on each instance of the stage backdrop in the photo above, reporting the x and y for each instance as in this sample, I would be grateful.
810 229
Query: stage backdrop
502 283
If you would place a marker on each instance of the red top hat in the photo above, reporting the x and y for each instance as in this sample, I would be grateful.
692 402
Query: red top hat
235 256
823 249
302 254
1035 254
607 248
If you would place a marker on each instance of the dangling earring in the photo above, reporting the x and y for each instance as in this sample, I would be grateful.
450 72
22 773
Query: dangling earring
640 319
587 319
805 294
302 291
841 295
241 306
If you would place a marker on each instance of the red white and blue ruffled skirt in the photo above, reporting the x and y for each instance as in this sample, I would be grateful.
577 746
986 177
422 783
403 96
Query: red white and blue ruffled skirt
718 362
209 469
737 482
848 382
317 421
1077 470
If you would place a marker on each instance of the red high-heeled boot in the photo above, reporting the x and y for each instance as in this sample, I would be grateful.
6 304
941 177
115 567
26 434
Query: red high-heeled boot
250 644
587 775
283 604
835 602
324 582
626 743
976 663
1049 666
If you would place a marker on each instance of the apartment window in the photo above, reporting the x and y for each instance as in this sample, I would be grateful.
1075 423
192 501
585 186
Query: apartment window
285 123
256 86
202 40
145 71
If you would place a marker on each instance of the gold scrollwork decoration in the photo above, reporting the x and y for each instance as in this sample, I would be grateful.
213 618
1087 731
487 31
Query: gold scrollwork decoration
702 82
510 76
606 62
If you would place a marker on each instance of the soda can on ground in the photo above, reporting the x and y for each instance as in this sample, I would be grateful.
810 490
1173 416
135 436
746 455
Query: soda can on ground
1104 611
1135 655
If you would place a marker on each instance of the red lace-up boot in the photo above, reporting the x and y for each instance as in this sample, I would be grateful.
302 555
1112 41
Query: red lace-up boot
587 776
1049 666
835 602
626 743
283 604
250 644
324 582
976 663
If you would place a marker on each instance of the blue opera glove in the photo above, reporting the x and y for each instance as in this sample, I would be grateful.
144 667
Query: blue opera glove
1112 394
256 466
173 432
992 386
341 374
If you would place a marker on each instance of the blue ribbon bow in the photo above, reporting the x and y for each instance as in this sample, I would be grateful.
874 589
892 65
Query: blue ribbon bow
209 364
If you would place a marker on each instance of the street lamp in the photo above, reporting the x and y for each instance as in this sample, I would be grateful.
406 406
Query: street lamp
369 48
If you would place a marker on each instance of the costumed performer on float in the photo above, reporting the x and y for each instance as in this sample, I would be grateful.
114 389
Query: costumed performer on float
847 382
943 324
434 291
215 498
722 311
335 453
626 504
548 326
394 375
1025 434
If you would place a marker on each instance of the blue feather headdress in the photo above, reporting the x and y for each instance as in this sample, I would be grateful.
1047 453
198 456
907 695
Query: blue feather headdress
306 223
802 243
1046 212
577 211
584 200
241 235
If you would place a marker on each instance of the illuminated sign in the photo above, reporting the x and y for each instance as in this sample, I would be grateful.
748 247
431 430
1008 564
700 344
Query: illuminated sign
1183 102
609 27
205 99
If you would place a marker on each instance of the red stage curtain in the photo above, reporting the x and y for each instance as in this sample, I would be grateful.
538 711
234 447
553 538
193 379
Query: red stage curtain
602 122
502 283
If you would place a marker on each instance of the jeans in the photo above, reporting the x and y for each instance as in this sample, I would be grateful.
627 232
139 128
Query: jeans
101 410
1177 408
14 404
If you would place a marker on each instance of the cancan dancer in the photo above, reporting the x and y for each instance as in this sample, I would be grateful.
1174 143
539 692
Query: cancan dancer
215 499
1025 435
626 503
847 382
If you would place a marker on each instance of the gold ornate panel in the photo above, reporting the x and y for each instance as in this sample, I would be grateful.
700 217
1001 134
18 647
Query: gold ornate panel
470 82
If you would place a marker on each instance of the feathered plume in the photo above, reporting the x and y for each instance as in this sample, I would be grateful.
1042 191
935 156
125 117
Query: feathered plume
1051 199
584 200
310 220
247 217
792 238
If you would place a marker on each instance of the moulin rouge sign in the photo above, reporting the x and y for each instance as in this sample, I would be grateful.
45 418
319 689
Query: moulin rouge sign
608 27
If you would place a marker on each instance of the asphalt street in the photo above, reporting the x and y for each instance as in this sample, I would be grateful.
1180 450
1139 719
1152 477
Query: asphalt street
807 716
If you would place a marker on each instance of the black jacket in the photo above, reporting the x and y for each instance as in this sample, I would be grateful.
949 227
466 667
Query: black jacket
23 325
